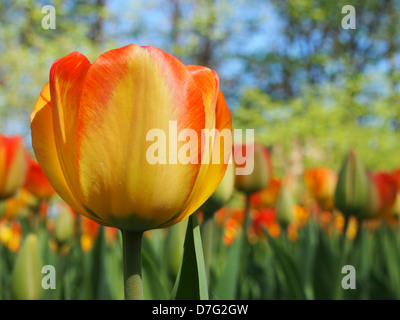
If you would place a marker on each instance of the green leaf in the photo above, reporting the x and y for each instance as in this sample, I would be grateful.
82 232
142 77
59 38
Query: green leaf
306 257
326 259
154 285
289 269
191 282
227 283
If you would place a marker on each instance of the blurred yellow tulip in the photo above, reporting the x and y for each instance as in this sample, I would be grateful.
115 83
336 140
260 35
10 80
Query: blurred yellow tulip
27 276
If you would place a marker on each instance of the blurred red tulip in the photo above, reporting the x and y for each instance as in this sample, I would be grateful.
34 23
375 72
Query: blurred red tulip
13 165
382 195
264 219
111 234
36 182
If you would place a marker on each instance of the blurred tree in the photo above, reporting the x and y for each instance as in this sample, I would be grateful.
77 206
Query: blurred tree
27 51
325 89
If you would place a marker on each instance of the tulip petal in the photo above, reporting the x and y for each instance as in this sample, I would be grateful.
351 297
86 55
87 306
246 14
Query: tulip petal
66 80
128 92
207 81
44 145
216 167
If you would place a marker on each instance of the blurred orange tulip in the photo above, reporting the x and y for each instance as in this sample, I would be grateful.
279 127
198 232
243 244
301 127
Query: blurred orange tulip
90 231
89 133
18 204
10 234
321 183
268 196
396 175
231 230
36 183
232 223
13 165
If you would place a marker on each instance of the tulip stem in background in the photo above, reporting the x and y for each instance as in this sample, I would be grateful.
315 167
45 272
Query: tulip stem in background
207 237
342 260
244 249
247 219
132 256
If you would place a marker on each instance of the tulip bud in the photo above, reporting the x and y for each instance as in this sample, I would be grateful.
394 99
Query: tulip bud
64 225
256 161
352 187
222 194
27 274
285 204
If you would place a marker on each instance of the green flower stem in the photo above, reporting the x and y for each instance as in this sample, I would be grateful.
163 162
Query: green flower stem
132 255
207 236
245 245
343 247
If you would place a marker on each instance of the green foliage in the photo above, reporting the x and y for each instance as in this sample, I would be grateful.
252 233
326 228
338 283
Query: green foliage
191 282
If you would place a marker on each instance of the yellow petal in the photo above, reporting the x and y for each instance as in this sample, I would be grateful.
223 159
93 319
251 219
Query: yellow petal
44 145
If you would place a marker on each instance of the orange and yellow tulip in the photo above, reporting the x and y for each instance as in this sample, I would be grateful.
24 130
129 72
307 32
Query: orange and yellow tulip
36 183
18 204
267 197
89 133
321 183
10 234
13 165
